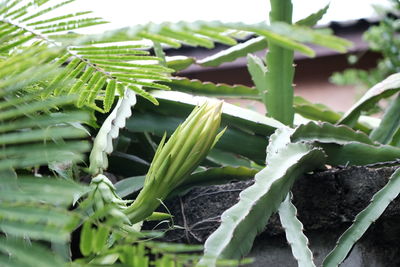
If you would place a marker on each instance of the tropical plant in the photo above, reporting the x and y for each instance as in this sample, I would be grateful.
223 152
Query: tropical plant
382 39
53 81
290 152
34 206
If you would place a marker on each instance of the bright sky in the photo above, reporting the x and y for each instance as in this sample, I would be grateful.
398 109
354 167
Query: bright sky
129 12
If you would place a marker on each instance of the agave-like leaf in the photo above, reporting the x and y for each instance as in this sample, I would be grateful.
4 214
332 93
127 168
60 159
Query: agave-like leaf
173 103
243 124
396 139
384 89
329 133
129 185
355 153
158 124
389 125
363 220
241 223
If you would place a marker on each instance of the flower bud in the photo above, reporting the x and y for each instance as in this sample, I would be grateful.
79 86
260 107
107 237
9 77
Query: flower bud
176 159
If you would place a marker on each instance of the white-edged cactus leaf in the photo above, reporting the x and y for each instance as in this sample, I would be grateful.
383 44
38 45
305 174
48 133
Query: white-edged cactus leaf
279 140
328 133
294 233
242 222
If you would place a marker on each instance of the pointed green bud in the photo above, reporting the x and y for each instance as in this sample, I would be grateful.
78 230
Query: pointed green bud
177 158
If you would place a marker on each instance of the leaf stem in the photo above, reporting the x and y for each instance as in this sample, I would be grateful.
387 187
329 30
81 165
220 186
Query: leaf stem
279 99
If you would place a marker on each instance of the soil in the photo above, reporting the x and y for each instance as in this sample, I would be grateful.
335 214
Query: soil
327 202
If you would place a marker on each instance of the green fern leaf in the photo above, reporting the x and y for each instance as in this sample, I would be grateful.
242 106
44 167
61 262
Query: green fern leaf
109 97
21 254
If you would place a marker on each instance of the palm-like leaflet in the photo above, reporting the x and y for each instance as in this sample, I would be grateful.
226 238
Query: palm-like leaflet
34 133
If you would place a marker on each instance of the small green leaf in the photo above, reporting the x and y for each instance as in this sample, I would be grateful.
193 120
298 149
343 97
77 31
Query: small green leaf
179 63
396 139
159 216
232 53
129 185
110 95
86 240
258 71
159 51
312 19
100 238
96 88
83 97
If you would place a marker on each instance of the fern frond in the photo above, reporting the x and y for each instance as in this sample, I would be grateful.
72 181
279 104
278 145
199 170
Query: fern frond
37 221
88 65
21 254
27 142
202 33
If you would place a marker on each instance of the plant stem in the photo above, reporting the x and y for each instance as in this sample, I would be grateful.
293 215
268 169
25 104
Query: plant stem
279 100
